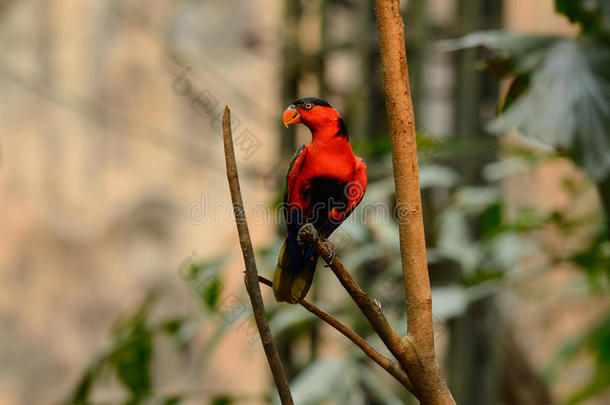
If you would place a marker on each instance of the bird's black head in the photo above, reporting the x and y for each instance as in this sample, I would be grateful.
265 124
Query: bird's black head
310 102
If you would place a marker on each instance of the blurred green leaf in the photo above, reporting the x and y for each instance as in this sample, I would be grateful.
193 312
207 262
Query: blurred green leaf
205 277
437 176
518 85
373 146
172 400
202 268
290 318
448 302
209 290
505 168
132 351
508 53
222 400
80 395
528 219
129 356
567 104
455 241
592 15
596 343
319 382
474 200
594 259
490 219
378 387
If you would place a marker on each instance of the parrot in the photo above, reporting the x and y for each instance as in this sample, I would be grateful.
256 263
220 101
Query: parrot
324 183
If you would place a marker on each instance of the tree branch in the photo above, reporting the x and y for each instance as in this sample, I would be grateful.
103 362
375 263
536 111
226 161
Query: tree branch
251 278
389 365
424 372
370 308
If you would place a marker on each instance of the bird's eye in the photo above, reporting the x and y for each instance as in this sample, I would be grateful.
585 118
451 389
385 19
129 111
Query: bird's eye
308 106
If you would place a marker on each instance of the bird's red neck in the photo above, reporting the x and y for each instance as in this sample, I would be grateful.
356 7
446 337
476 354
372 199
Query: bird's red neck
328 134
326 126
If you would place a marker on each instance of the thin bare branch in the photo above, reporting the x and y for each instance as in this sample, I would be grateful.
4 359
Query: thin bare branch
251 278
389 365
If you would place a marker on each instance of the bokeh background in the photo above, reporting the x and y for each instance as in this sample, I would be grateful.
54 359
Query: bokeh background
120 270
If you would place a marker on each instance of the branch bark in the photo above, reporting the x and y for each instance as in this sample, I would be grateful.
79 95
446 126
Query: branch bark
403 349
423 371
251 277
370 308
389 365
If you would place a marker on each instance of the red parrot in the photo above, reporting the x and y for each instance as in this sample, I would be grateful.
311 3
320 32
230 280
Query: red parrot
324 183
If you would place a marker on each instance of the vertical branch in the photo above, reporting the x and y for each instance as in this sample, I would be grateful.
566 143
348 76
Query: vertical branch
406 172
251 278
429 384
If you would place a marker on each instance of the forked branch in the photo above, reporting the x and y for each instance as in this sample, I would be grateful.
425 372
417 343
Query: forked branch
415 351
430 387
389 365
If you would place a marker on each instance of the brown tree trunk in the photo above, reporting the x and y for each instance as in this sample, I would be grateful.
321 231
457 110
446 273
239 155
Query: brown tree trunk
420 360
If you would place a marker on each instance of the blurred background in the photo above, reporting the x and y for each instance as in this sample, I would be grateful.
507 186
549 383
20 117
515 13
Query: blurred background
120 270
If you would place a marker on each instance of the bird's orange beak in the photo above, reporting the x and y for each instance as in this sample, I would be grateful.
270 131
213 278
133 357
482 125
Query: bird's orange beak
291 116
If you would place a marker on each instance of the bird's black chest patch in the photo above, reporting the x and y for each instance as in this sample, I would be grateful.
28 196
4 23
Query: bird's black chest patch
325 190
324 194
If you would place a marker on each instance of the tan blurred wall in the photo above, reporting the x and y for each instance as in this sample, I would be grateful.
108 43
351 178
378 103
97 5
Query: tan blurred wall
535 17
101 161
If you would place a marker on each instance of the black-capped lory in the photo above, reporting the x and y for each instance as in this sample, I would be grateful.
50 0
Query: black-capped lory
324 183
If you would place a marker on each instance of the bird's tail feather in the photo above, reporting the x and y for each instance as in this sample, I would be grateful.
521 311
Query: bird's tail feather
289 285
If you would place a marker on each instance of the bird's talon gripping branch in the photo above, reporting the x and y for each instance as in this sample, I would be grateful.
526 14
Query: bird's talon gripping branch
308 235
331 249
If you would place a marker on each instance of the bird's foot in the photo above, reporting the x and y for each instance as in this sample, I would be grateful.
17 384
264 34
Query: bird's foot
308 235
331 250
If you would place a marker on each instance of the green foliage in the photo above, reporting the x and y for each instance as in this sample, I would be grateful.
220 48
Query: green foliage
205 278
593 16
222 400
595 343
292 320
345 380
132 354
129 356
558 97
594 259
559 89
565 104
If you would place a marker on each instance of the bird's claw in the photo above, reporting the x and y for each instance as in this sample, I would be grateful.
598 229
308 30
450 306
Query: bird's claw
331 249
307 235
